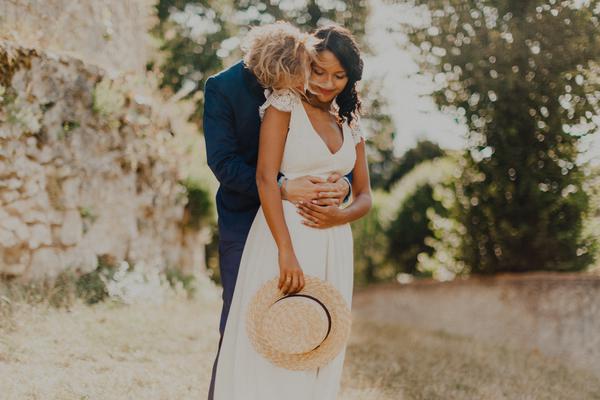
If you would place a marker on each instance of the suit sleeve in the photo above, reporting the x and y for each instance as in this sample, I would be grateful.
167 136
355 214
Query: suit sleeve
349 179
221 144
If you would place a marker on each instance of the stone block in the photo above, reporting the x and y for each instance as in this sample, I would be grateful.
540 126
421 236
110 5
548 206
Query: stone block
40 234
45 262
72 228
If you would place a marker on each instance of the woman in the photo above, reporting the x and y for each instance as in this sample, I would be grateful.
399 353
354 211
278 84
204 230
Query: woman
309 134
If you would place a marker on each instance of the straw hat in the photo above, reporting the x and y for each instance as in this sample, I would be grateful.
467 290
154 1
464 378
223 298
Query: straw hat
300 331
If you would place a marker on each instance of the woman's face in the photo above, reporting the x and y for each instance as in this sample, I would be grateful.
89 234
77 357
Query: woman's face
327 78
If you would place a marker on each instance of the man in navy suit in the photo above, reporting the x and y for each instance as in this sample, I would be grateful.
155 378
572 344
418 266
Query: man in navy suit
231 129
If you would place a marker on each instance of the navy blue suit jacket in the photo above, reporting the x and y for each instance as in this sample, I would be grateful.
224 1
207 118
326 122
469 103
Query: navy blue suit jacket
231 128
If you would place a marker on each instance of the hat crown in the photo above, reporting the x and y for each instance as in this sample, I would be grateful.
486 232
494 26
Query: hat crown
293 333
296 324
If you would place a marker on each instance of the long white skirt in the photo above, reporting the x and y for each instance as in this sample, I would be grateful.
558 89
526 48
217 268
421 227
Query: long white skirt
244 374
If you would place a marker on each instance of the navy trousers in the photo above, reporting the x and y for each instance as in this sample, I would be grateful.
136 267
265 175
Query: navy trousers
230 254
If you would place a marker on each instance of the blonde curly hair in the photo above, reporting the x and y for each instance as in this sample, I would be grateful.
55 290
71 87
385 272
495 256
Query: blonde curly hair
279 55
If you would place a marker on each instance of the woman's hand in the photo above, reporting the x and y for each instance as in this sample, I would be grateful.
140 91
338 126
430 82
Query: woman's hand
291 276
321 217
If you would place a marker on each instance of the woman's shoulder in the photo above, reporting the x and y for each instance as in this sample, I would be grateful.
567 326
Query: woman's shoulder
281 99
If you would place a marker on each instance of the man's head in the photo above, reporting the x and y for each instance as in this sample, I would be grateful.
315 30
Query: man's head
279 55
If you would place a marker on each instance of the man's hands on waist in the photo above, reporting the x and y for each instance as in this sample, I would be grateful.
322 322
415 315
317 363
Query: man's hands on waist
318 199
330 191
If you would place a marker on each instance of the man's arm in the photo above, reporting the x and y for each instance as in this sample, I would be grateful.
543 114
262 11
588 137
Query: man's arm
229 168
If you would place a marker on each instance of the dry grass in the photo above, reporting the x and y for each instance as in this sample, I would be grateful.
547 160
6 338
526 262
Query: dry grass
113 351
109 351
388 362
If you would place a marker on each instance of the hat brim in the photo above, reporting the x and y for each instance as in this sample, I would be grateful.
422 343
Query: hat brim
341 321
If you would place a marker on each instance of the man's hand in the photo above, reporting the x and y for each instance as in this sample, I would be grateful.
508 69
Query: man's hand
321 217
306 188
330 191
342 189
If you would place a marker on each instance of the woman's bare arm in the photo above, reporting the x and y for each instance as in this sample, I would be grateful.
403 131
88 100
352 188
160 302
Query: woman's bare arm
361 187
273 134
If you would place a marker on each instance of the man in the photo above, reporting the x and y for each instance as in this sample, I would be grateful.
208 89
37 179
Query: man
231 130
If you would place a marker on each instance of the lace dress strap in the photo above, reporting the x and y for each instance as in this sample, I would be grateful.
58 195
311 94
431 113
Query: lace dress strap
357 131
281 99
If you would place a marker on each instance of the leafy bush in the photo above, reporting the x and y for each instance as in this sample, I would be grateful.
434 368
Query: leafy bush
177 277
408 231
198 209
90 286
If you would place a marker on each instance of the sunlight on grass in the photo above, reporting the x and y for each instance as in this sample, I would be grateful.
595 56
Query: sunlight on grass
395 362
110 350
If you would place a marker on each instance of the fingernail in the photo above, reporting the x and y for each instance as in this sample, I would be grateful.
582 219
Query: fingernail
314 201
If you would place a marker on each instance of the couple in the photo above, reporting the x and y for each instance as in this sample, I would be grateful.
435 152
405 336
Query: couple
282 137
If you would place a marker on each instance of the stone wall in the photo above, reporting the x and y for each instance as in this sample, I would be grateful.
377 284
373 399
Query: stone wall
88 167
109 33
557 314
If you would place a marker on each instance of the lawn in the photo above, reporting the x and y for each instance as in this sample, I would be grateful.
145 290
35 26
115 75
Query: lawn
115 351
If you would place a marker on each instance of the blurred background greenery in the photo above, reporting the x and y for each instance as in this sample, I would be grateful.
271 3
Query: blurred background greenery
522 79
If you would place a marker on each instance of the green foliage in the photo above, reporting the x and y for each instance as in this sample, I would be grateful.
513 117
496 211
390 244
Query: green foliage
385 169
423 151
88 216
212 256
67 128
518 75
198 209
447 233
414 200
176 276
370 243
380 128
392 237
90 287
190 35
69 285
410 228
350 14
591 229
58 292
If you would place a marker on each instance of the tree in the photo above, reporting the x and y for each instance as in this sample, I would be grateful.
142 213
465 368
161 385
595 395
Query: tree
190 34
517 72
199 37
424 150
381 135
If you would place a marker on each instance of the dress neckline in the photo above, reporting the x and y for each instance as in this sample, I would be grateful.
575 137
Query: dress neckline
320 137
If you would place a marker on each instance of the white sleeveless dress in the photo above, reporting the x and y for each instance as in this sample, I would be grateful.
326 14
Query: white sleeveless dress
242 373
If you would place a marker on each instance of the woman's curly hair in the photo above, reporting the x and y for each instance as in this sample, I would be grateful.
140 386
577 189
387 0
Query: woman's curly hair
279 55
342 44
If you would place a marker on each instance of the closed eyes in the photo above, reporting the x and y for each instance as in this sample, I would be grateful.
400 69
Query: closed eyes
320 73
